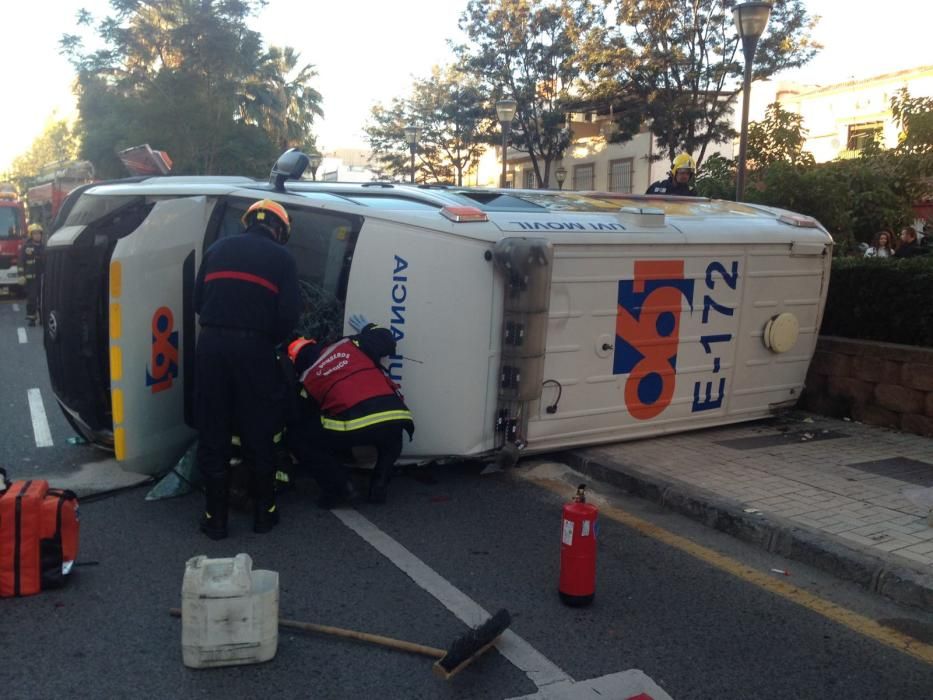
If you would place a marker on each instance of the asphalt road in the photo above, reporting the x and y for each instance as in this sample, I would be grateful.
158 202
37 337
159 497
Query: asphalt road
697 630
23 368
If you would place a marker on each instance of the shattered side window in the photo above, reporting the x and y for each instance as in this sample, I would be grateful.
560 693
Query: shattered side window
323 245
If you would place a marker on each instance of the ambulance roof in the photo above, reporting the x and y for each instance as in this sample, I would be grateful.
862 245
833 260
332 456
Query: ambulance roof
569 216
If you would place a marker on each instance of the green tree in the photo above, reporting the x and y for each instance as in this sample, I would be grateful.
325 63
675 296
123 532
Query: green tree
780 136
528 50
914 116
451 113
57 142
682 62
716 178
386 135
853 198
182 76
278 98
913 158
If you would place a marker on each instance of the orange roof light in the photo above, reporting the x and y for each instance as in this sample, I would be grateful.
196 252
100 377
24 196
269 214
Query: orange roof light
461 215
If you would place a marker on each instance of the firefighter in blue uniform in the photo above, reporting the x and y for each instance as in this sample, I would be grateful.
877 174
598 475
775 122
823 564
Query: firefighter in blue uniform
352 402
248 301
680 181
31 261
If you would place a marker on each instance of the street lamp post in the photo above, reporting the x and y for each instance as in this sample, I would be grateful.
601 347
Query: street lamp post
505 111
411 138
750 19
560 175
314 162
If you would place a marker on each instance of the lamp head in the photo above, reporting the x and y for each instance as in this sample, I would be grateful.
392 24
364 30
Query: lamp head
505 110
751 18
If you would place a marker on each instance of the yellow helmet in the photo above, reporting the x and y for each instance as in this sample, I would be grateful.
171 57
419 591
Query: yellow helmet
259 211
34 227
683 161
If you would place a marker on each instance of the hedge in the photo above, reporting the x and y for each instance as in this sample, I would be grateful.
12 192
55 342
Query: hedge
881 299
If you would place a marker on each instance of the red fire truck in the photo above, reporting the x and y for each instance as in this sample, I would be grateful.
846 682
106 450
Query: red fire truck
12 238
53 185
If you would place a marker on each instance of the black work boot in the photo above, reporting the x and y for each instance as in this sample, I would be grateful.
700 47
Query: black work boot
265 515
379 484
214 521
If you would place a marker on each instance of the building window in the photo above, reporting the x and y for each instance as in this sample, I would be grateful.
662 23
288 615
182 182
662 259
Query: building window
860 135
620 175
584 177
529 181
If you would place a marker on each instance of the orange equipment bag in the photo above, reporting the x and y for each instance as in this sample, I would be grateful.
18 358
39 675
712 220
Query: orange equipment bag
39 531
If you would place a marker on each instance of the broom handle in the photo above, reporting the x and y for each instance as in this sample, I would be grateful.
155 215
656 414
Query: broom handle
354 634
365 637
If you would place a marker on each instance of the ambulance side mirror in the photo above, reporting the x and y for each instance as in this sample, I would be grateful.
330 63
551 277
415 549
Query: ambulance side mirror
289 166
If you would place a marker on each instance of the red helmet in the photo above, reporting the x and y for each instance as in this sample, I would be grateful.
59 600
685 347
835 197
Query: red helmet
261 211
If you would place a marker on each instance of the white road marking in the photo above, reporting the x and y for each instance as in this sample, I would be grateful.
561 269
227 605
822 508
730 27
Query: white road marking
15 307
624 684
40 424
21 332
542 672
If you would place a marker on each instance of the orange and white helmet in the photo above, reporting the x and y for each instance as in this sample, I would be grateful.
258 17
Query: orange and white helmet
261 211
296 346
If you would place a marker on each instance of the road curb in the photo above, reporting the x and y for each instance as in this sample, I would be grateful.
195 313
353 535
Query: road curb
901 584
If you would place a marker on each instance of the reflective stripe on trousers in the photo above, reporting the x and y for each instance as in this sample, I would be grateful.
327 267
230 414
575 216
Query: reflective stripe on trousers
365 421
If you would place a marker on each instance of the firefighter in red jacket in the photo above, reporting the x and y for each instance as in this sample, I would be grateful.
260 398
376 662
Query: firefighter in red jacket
356 404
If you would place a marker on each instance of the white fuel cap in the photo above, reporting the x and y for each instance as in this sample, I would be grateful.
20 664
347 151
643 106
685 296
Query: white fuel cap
781 332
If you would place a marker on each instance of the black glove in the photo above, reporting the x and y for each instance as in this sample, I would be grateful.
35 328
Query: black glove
376 342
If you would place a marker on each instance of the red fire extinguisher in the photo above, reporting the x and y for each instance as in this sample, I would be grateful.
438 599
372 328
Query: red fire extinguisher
578 551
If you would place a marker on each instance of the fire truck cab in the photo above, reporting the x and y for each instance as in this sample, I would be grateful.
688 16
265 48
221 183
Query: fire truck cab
526 320
12 239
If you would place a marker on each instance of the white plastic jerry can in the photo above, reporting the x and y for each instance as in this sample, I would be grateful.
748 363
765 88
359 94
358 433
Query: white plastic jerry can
229 613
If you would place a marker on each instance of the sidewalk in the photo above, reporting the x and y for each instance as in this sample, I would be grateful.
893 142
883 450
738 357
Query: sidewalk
838 495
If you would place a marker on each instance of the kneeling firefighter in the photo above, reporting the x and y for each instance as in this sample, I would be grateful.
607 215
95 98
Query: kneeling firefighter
248 301
358 405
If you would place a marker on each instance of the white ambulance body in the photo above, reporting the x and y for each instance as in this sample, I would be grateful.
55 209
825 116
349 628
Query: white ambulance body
526 321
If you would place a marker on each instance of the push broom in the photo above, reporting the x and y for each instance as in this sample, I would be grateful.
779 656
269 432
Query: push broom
460 654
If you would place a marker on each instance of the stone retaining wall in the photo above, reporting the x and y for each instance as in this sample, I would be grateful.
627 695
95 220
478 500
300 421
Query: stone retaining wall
877 383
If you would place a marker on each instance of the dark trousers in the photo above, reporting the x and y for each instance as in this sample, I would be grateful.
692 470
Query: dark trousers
238 390
316 449
32 298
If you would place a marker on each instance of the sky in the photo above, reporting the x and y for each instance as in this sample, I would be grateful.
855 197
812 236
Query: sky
368 51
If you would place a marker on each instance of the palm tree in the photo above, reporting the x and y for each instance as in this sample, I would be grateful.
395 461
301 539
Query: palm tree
279 99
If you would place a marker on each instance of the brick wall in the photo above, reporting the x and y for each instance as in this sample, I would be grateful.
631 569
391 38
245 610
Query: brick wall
878 383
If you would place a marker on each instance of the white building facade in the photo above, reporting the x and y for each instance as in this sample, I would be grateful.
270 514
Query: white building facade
840 119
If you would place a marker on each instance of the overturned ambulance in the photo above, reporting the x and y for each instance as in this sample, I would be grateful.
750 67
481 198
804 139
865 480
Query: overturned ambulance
525 320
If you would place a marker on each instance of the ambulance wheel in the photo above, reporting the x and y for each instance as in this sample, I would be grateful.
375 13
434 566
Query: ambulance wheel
17 292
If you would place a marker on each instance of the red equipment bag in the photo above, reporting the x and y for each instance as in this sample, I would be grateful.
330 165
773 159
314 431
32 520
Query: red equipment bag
39 532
